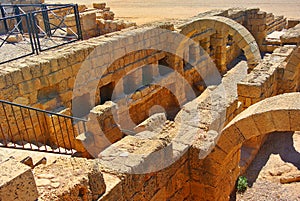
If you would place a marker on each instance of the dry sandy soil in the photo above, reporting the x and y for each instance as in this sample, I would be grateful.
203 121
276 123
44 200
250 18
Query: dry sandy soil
278 158
142 11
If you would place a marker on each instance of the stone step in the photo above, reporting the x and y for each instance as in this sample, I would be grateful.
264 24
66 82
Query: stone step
31 146
63 150
45 148
39 147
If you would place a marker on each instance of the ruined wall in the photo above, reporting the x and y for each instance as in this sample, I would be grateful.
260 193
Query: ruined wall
47 81
95 21
267 78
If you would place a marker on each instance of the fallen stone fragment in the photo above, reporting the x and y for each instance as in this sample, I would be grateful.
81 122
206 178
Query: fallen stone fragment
290 178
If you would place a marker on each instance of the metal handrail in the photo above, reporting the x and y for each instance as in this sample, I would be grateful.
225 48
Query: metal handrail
29 128
30 50
43 111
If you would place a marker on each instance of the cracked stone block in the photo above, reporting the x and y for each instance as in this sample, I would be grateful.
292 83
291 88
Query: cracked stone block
17 182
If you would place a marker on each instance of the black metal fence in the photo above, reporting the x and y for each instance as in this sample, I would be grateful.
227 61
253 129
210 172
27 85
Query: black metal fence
14 44
28 128
26 29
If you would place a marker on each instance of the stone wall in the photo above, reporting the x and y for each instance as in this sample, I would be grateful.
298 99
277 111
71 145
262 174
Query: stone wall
266 79
189 157
96 21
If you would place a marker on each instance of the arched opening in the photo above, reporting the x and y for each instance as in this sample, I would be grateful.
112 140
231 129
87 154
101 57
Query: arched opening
276 114
218 35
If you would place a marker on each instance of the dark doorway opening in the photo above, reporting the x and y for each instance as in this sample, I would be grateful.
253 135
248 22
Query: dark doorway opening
163 67
106 92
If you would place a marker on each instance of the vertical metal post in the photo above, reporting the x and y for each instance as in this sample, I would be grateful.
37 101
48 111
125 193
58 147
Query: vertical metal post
61 132
26 129
46 20
55 133
3 16
33 127
8 124
78 25
70 143
34 31
29 27
19 19
18 128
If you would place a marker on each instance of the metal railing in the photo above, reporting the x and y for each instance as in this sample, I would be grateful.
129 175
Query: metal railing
12 50
41 27
28 128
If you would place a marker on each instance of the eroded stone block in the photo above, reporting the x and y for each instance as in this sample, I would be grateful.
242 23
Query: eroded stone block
17 182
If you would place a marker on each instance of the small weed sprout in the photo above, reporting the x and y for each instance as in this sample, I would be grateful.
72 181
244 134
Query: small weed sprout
242 184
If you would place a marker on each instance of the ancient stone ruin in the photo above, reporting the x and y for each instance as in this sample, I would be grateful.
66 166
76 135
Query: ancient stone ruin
163 111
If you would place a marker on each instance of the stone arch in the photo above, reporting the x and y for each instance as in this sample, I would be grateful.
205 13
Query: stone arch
279 113
239 33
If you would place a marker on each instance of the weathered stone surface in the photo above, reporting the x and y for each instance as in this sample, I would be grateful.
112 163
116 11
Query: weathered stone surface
292 177
17 182
291 36
153 123
82 180
192 147
15 38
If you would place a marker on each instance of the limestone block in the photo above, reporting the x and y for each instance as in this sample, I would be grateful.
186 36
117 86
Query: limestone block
101 128
153 123
17 182
113 188
230 138
281 120
252 90
61 130
290 178
83 180
15 38
264 122
292 23
29 86
292 36
177 182
16 75
136 155
108 15
294 120
88 20
248 128
214 160
2 80
56 77
101 5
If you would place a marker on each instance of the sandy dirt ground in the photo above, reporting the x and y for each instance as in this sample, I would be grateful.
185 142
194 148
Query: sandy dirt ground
143 11
278 158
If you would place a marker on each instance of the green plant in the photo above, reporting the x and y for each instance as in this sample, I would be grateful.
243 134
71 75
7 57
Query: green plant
242 184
